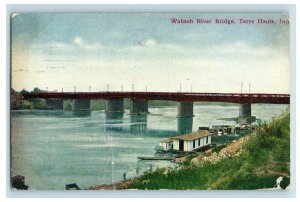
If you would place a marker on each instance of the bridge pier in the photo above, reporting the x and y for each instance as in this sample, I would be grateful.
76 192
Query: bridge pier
245 110
114 105
185 109
79 104
55 104
139 107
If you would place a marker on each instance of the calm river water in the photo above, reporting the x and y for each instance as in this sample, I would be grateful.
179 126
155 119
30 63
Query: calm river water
54 148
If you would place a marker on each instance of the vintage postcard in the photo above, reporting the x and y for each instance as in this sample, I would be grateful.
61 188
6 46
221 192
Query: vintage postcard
150 101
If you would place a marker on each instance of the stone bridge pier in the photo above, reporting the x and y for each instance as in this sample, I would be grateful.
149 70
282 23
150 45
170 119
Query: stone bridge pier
114 105
185 109
139 107
245 110
81 105
55 104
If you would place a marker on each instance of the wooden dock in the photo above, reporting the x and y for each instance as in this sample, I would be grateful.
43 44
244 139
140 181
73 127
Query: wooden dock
155 158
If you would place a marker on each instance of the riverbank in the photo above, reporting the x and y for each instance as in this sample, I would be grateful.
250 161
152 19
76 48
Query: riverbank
252 162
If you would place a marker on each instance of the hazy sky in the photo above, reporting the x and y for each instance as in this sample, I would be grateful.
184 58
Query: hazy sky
96 49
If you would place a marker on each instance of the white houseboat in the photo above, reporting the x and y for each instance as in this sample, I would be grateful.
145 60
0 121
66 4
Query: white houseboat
187 142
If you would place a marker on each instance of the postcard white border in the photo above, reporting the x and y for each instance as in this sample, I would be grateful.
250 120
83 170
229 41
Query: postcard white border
291 9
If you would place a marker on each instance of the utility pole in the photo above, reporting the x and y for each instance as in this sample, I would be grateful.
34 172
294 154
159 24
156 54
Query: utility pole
107 87
132 86
191 88
62 89
89 88
74 89
249 87
180 87
122 88
242 88
146 89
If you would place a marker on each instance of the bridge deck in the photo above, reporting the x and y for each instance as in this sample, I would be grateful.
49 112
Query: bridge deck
194 97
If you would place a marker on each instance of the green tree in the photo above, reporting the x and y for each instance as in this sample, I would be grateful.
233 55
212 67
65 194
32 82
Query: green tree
23 91
36 90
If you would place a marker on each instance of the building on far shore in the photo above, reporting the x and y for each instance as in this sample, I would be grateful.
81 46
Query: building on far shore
187 142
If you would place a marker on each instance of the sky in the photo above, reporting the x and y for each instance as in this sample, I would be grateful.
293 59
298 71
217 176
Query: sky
139 51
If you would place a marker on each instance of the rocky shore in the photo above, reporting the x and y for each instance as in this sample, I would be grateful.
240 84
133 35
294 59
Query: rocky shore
231 150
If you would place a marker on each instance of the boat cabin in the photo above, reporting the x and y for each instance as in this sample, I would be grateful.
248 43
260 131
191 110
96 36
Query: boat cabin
166 144
187 142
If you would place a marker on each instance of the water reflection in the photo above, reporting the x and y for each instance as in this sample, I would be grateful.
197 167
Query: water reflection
138 123
114 121
184 125
58 113
82 113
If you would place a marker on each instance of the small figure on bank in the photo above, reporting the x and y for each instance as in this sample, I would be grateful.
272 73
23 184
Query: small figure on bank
124 176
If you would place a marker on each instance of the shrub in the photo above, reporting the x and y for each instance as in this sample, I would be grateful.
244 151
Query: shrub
218 148
285 182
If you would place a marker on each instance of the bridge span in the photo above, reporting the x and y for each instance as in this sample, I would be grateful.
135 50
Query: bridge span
179 97
139 100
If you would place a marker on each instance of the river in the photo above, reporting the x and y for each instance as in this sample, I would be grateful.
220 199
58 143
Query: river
54 148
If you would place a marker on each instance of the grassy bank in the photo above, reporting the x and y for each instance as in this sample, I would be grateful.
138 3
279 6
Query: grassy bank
263 158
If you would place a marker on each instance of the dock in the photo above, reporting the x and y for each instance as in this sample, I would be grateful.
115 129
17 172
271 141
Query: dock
155 158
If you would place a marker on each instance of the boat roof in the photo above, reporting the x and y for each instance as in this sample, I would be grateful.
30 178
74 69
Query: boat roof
165 141
192 136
